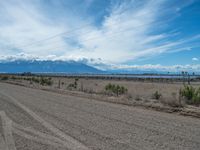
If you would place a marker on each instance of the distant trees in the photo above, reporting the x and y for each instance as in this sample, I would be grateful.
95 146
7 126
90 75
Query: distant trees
186 77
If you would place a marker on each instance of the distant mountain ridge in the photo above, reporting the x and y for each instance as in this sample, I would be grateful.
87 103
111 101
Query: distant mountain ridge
40 66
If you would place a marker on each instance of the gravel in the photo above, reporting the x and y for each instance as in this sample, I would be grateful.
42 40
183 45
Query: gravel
101 125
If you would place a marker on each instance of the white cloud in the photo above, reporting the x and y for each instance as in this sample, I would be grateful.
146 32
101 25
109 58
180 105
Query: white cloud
195 59
151 67
125 34
102 65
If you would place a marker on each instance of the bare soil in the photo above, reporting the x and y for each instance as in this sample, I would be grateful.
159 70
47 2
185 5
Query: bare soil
95 124
139 93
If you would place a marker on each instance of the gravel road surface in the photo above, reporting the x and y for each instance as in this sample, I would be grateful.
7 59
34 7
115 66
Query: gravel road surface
41 120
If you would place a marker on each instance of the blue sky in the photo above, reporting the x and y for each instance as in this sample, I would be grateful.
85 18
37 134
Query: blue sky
128 34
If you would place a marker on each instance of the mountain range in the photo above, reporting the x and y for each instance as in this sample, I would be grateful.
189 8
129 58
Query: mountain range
68 67
40 66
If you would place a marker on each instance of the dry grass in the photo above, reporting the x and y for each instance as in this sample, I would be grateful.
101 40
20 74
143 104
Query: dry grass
137 90
141 89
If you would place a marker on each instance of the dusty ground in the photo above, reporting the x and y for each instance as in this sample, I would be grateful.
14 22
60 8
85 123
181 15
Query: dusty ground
137 90
46 120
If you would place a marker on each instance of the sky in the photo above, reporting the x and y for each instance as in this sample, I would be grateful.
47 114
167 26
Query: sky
108 34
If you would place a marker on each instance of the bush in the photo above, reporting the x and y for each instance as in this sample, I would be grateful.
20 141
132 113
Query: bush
36 80
75 82
4 78
191 94
138 98
115 89
187 92
88 90
73 85
45 81
13 78
156 95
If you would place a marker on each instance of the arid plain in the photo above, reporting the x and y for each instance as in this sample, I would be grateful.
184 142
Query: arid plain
61 116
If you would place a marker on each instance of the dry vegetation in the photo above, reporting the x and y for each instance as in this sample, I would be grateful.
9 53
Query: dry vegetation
164 93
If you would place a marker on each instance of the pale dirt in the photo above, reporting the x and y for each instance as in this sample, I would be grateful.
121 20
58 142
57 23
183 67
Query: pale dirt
136 89
96 125
140 93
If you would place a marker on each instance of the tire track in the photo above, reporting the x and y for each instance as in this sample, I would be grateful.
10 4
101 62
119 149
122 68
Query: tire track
100 125
29 134
71 142
3 145
7 131
20 129
37 139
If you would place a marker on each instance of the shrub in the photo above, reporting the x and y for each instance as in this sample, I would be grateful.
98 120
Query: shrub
13 78
36 80
75 82
173 101
138 98
191 94
45 81
88 90
187 92
73 85
4 78
27 79
156 95
115 89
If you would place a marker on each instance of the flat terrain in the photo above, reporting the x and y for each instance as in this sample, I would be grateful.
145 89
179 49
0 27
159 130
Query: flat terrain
137 90
43 120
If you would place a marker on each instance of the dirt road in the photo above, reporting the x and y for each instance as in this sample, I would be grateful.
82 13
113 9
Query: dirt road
35 119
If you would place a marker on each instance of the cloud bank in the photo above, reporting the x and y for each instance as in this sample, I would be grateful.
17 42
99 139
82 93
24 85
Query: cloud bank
105 66
125 30
157 68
